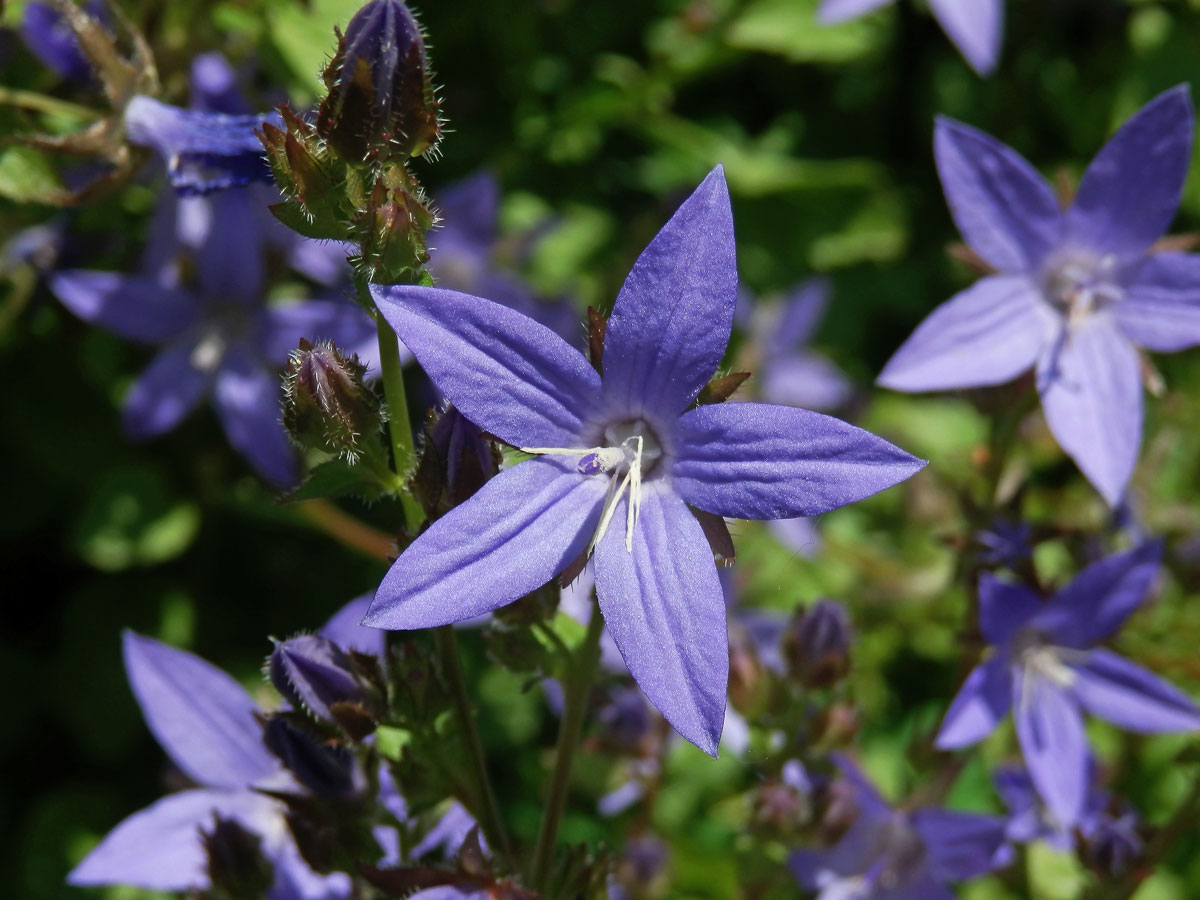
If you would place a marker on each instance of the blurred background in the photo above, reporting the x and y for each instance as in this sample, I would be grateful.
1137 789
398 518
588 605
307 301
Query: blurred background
596 119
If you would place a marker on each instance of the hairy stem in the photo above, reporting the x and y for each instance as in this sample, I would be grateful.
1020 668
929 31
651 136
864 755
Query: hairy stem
486 809
579 685
399 424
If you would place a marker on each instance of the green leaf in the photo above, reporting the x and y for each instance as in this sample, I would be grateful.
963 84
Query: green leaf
27 176
132 519
789 28
390 742
337 478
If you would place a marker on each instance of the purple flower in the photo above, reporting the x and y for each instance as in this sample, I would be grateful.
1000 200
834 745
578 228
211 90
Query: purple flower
1076 293
216 336
1047 667
206 722
204 151
889 854
975 26
463 254
788 371
617 461
49 38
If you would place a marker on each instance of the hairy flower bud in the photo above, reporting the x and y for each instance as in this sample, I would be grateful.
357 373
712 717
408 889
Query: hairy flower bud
327 770
327 405
237 868
816 644
313 674
381 97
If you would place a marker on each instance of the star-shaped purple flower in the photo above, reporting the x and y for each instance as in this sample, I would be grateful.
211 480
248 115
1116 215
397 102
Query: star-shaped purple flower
217 336
975 26
206 722
1046 666
890 854
618 460
1076 292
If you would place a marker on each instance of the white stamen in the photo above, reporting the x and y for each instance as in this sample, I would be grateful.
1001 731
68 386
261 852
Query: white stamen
609 460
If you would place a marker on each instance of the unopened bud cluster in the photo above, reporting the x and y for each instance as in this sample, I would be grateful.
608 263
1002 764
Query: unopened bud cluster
328 406
345 177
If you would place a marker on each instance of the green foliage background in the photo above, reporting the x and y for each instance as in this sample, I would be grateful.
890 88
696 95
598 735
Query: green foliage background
600 116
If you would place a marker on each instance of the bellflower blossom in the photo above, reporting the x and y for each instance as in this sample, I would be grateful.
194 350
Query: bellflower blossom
206 722
618 459
216 336
975 26
1047 667
889 854
1076 292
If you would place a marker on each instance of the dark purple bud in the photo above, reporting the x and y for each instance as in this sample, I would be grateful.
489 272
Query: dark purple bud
455 462
470 458
313 674
1113 844
816 644
623 723
327 770
381 97
327 404
237 867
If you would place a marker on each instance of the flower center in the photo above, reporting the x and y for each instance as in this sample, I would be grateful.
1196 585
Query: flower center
1077 284
628 452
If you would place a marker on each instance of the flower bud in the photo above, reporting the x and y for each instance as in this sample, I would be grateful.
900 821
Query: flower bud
1113 845
381 97
327 405
313 674
816 644
456 460
327 770
391 229
237 868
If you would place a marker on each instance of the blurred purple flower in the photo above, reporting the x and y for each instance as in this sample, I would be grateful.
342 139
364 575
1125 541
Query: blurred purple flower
618 460
1047 668
788 371
975 26
1076 293
49 38
216 335
204 151
206 722
891 854
1030 819
463 255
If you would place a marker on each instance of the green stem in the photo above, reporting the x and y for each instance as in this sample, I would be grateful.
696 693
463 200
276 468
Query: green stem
42 103
487 809
399 424
579 685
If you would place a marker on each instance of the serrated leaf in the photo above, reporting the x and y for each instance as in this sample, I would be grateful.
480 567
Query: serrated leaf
322 228
337 478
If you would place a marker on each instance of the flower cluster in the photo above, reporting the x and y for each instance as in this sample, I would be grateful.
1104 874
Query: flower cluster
572 493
